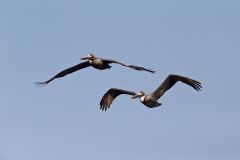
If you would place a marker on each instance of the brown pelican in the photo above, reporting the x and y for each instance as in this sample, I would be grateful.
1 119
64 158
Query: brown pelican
150 100
98 63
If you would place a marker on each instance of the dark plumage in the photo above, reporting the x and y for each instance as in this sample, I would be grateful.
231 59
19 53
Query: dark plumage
110 95
150 100
98 63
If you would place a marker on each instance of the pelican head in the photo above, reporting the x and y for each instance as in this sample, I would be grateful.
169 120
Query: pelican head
139 95
89 57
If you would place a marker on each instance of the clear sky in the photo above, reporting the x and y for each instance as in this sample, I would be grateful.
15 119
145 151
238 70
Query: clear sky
62 121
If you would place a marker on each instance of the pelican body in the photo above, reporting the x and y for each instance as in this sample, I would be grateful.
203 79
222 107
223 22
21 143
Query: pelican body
149 100
97 63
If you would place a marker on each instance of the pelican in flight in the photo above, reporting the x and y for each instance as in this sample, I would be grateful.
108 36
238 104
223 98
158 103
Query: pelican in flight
150 100
95 62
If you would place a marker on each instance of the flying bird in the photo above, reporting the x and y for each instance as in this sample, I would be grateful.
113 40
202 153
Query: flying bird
150 100
95 62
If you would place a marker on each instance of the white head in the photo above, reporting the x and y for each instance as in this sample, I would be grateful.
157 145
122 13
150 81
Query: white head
89 57
139 95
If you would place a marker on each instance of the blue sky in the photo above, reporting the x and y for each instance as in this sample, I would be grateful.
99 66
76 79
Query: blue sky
199 39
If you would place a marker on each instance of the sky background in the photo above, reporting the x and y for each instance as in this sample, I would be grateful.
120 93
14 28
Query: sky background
62 120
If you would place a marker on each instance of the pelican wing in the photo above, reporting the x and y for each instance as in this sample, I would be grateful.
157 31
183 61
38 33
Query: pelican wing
110 95
128 65
171 80
66 72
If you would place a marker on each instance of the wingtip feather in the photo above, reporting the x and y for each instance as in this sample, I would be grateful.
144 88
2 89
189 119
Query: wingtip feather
40 84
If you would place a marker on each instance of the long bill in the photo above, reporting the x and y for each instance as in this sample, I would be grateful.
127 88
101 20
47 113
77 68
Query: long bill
85 58
135 96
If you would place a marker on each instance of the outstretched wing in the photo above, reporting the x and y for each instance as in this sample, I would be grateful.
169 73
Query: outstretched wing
128 65
66 72
171 80
110 95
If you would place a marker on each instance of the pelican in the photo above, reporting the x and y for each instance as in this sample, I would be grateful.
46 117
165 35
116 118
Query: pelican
95 62
150 100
